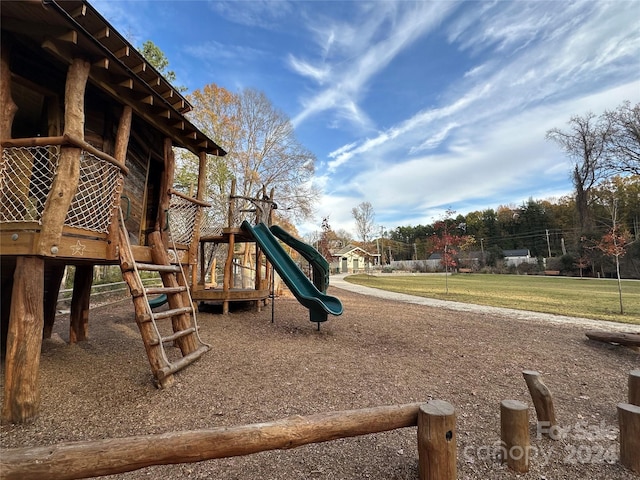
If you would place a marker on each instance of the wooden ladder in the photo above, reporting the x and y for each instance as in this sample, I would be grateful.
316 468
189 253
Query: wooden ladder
182 331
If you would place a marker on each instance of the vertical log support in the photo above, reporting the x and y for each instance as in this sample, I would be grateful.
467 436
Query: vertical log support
228 264
200 194
9 107
629 423
514 432
120 153
437 455
24 341
65 182
53 279
165 188
79 317
228 273
543 403
634 387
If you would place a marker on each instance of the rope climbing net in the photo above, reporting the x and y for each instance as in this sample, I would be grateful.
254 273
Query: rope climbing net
26 178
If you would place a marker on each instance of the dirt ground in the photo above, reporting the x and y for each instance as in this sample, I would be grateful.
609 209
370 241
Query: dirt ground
379 352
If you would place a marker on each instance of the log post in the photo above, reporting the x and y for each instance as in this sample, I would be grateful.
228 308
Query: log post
200 194
79 317
437 457
9 107
634 387
227 279
120 154
166 183
24 341
543 403
52 280
65 183
109 456
629 422
514 432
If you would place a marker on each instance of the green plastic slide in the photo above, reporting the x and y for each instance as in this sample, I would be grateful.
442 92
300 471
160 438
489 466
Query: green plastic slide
318 303
318 263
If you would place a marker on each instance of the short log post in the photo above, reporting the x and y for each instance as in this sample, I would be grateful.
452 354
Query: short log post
437 456
634 387
24 341
629 423
514 432
543 403
79 317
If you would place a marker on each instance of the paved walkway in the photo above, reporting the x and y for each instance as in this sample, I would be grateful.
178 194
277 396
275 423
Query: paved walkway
338 281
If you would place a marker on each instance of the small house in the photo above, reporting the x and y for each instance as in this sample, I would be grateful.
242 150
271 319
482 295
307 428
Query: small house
517 257
353 259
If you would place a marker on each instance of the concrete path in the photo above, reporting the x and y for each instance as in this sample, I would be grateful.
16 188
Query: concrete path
338 281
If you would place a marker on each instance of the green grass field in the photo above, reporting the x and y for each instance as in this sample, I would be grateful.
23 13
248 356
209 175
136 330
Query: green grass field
574 297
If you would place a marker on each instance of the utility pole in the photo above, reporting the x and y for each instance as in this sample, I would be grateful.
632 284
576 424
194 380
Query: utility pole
548 244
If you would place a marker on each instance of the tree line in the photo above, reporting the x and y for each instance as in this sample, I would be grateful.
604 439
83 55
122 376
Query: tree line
594 231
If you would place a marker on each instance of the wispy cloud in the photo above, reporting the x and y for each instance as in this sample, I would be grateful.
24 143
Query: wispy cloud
265 14
487 95
355 53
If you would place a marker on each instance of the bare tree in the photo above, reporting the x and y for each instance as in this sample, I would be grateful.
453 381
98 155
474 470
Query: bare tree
585 142
262 149
623 148
364 216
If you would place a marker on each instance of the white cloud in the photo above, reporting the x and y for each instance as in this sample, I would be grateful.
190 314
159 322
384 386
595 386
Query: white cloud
361 51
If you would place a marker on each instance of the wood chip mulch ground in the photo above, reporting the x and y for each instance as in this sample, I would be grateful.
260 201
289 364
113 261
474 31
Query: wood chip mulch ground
379 352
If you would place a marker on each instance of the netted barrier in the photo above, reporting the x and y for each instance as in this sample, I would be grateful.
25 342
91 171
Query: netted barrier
26 177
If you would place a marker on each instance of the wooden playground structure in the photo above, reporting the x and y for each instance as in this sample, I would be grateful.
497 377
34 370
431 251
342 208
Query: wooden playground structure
87 130
238 285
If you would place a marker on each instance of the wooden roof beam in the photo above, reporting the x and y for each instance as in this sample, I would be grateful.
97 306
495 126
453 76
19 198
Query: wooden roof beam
123 52
102 63
102 33
70 37
141 67
79 12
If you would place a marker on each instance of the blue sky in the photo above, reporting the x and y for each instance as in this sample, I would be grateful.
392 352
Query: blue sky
416 107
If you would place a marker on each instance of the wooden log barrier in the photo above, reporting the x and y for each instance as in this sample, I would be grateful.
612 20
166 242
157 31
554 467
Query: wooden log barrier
437 454
634 387
543 403
514 432
106 457
629 423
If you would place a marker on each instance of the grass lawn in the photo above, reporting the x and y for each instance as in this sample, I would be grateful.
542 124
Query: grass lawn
574 297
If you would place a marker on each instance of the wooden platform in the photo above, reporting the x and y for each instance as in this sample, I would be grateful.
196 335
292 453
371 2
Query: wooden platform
232 295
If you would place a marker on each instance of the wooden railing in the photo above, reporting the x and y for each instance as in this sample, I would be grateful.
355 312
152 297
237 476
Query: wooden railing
436 443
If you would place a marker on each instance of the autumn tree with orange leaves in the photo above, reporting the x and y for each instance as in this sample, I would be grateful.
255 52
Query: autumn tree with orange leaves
262 150
614 244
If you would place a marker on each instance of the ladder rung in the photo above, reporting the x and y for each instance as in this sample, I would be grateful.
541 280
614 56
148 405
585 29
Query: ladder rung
181 363
171 338
152 267
171 313
156 290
